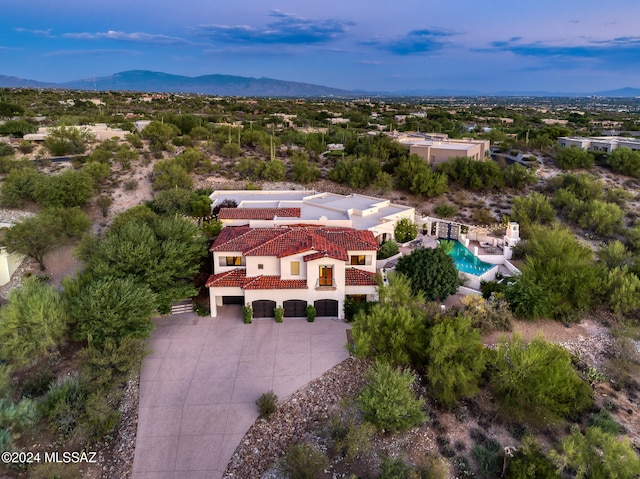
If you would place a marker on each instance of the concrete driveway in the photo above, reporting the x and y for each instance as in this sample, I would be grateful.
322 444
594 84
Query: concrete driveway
199 386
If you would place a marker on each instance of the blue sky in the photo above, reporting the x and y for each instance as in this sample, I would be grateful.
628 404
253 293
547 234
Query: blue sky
560 45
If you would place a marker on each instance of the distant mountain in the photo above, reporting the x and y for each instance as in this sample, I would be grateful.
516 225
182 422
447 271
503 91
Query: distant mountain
225 85
15 82
621 92
230 85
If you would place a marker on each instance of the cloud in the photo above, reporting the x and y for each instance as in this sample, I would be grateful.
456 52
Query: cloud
413 42
285 29
43 33
137 37
94 52
621 49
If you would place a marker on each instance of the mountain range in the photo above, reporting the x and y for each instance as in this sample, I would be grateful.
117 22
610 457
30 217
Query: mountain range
230 85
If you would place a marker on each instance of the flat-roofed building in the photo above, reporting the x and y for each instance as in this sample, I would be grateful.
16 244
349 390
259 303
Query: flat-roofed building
265 209
605 144
438 148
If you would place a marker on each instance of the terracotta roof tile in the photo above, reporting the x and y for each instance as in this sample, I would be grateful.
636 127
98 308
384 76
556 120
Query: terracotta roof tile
358 277
275 282
234 278
257 213
286 241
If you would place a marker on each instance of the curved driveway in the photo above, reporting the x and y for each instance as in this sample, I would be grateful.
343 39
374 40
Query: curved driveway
199 386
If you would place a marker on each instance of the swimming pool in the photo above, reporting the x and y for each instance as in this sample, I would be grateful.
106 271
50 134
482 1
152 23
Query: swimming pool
466 262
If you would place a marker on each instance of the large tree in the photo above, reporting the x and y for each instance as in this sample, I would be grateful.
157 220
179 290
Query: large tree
33 323
455 360
162 253
68 140
35 237
536 382
431 271
112 308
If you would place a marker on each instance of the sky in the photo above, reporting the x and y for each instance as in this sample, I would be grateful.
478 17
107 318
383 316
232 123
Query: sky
379 46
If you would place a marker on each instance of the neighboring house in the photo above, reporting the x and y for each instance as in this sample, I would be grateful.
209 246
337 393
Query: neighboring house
438 148
599 143
292 267
263 209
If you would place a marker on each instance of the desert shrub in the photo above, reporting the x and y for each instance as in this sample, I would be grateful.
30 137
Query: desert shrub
388 249
113 363
390 333
488 456
33 323
100 414
455 360
130 185
445 210
597 454
395 468
414 175
267 404
529 462
536 382
63 403
352 437
488 315
472 174
388 400
303 461
603 420
572 158
38 383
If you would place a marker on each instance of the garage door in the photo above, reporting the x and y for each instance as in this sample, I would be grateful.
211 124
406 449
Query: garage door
233 300
295 308
326 307
264 309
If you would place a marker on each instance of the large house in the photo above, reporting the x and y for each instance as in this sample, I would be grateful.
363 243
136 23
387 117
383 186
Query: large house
437 148
292 267
267 209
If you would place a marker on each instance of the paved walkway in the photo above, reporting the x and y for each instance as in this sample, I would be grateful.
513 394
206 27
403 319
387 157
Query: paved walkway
198 388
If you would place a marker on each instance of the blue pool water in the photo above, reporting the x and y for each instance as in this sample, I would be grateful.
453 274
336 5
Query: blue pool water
466 262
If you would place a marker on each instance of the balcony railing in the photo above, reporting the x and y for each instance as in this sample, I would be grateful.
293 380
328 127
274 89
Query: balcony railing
325 284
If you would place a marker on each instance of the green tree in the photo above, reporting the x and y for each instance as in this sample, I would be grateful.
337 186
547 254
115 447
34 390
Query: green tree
600 217
414 175
6 149
68 140
98 171
170 174
597 454
455 360
529 462
112 308
533 208
564 268
33 323
125 156
159 134
273 170
388 400
34 237
622 290
613 254
18 187
626 161
536 382
67 189
160 252
517 176
431 271
302 171
17 128
572 158
391 333
405 230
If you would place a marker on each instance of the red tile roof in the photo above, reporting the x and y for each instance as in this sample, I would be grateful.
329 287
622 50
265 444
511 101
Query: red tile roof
238 278
275 282
358 277
228 279
286 241
257 213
